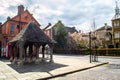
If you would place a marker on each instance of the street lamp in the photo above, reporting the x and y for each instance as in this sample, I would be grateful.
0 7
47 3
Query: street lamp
94 38
90 46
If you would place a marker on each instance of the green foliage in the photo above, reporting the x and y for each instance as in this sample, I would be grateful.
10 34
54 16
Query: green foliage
88 50
81 43
60 34
100 47
110 46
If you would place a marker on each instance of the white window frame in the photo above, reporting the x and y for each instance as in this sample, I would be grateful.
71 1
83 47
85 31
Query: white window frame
116 23
117 35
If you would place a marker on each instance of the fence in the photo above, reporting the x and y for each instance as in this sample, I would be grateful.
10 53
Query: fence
76 52
99 52
109 52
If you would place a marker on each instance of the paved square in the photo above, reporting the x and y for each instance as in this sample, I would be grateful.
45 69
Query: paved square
32 71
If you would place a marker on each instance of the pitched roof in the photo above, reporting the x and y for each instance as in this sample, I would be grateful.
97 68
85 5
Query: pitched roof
104 28
32 33
49 26
13 19
59 23
71 29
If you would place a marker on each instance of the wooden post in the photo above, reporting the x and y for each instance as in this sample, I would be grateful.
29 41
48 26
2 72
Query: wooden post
37 54
43 54
37 46
20 52
30 52
25 53
15 54
11 56
37 51
51 53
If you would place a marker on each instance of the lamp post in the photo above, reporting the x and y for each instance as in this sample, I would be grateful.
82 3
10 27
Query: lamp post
95 49
90 46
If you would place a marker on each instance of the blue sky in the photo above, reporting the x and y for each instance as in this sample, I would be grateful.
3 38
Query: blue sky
78 13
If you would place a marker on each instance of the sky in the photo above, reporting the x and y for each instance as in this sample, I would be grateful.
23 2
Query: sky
73 13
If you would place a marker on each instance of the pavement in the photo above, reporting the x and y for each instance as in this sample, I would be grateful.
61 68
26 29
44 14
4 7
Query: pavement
112 57
44 70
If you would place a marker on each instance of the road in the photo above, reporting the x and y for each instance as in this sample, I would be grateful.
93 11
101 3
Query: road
110 71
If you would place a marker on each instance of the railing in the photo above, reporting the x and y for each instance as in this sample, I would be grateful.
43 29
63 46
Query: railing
99 52
109 52
76 52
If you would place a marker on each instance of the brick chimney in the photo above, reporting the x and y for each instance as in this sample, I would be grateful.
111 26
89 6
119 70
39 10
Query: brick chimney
20 9
49 24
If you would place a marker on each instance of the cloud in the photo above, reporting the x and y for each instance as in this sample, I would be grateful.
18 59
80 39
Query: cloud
76 13
84 27
8 8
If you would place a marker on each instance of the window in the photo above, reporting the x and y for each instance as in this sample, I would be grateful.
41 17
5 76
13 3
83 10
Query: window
12 28
117 35
107 38
116 23
26 17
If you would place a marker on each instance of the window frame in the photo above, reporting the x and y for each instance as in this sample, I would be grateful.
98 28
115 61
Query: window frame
12 29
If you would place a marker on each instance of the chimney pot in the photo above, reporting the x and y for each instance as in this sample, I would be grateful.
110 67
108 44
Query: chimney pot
105 24
20 9
8 18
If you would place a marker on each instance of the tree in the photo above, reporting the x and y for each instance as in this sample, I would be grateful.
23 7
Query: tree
60 34
82 43
77 41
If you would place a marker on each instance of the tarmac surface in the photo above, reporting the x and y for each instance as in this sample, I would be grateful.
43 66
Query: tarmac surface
109 71
44 70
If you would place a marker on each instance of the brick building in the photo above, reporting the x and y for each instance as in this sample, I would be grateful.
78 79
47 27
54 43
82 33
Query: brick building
12 26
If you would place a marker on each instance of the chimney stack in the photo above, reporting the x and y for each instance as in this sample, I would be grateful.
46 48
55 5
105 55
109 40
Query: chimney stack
20 9
49 24
8 18
0 28
106 26
0 24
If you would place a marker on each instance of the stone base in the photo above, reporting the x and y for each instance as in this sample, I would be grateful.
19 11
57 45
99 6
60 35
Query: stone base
51 61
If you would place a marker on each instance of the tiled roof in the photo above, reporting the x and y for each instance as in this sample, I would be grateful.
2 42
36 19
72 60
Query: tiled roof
12 19
32 33
71 29
103 28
